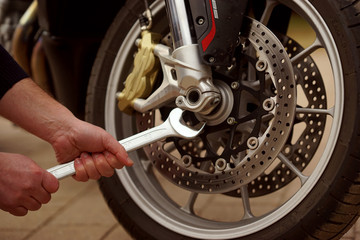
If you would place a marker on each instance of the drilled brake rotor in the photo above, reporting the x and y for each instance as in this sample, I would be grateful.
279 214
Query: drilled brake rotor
234 153
308 129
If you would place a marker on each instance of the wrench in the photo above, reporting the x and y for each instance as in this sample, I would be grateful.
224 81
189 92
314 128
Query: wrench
172 127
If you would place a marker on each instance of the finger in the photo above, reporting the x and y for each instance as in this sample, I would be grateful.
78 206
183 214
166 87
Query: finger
41 195
90 167
81 174
32 204
19 211
118 150
112 160
49 182
102 165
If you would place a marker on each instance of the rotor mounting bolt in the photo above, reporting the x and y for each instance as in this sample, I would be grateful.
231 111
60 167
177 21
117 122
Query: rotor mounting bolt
261 65
268 104
187 160
252 143
235 85
231 121
220 164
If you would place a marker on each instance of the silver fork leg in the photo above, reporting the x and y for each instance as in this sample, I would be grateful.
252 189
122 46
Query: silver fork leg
179 23
198 93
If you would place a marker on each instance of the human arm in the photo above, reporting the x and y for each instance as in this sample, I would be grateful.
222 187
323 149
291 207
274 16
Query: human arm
23 184
31 108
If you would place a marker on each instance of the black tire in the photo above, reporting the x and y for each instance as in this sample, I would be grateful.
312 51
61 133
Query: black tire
326 211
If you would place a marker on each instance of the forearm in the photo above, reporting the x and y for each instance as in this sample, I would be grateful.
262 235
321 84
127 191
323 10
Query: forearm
31 108
34 110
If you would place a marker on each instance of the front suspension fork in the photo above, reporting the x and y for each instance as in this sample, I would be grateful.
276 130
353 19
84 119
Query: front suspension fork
194 78
186 67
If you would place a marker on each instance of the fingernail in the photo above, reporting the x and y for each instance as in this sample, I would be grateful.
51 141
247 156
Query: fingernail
84 155
77 161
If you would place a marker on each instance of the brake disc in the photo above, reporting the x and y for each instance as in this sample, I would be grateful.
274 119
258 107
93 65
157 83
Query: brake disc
236 151
302 145
304 141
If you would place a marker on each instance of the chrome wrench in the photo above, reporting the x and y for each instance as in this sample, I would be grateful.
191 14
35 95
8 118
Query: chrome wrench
172 127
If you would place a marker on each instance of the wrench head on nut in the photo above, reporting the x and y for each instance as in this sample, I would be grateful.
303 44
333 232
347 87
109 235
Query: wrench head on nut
184 131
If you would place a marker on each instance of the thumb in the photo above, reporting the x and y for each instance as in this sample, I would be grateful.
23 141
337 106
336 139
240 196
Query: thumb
49 182
114 147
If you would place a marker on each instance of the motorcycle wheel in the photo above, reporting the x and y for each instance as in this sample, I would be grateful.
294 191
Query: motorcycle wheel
311 190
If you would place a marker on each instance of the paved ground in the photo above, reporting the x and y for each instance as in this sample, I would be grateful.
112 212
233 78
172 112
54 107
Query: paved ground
77 210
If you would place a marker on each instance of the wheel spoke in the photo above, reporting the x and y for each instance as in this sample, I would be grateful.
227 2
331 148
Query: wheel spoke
189 206
246 203
293 168
270 4
306 52
316 111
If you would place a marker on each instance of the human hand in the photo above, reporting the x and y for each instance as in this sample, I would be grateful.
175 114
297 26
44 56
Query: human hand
24 185
38 113
95 151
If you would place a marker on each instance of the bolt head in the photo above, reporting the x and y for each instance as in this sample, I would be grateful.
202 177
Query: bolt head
211 59
221 164
252 143
231 121
235 85
268 104
200 20
261 65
